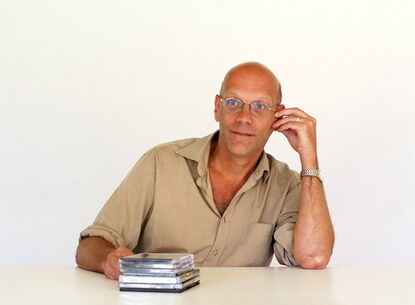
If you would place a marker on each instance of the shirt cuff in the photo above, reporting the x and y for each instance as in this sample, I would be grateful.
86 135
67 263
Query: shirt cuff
283 245
100 231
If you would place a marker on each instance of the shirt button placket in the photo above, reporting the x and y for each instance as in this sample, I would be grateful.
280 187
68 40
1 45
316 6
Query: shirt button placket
220 241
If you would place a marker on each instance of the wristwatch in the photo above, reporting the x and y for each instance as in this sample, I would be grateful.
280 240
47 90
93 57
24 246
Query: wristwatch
312 173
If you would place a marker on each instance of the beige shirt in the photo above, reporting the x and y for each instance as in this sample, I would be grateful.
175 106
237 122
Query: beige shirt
165 204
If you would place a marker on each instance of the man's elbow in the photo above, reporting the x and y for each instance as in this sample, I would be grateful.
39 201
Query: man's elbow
314 262
80 257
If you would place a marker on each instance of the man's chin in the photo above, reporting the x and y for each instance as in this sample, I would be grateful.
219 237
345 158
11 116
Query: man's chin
242 150
242 146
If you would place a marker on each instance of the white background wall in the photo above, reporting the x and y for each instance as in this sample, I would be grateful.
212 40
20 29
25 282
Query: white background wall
87 86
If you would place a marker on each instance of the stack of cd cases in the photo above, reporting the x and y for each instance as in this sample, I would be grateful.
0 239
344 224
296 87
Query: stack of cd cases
158 272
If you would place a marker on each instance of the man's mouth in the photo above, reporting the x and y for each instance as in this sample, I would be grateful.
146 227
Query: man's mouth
242 134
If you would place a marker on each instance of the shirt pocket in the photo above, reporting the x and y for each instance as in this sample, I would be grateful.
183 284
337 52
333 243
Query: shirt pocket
255 245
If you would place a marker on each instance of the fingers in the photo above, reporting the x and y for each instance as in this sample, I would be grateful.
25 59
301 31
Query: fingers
123 251
294 126
286 120
112 264
291 112
294 117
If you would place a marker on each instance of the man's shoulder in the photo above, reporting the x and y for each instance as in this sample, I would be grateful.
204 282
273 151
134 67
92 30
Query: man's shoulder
189 148
173 146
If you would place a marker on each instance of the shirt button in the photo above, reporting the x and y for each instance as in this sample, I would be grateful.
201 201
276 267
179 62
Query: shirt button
216 252
224 220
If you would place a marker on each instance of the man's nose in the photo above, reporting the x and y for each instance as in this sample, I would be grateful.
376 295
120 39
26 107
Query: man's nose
244 115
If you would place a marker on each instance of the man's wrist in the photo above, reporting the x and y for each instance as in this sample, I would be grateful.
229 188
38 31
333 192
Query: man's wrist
309 162
311 173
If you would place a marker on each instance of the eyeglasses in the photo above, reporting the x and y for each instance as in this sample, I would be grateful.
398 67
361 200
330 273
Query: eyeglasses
233 105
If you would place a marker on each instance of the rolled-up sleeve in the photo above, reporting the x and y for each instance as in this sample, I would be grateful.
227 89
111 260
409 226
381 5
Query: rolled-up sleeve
122 217
284 231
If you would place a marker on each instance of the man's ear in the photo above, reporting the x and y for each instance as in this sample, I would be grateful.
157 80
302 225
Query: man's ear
280 107
217 106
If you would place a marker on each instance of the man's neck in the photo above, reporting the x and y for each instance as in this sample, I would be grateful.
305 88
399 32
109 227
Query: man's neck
227 164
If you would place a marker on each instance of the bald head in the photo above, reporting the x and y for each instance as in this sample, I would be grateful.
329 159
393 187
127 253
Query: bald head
254 75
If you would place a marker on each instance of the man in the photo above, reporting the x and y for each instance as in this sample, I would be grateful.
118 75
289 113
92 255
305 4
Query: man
222 197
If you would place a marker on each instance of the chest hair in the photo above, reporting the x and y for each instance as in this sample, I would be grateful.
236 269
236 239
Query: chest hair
224 190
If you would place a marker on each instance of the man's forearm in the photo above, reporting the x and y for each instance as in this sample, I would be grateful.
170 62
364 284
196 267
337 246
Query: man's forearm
313 232
92 252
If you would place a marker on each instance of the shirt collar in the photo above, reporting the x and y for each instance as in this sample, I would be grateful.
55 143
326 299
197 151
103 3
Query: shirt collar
199 151
263 168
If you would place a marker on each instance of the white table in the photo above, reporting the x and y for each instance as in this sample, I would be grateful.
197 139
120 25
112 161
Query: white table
253 286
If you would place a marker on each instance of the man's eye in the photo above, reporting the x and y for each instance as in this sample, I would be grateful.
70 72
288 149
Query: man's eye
260 106
232 102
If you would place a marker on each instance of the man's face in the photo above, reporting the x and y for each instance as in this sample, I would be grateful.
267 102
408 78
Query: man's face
243 133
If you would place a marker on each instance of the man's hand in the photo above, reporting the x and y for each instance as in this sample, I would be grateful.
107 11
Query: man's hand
300 130
111 265
97 254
